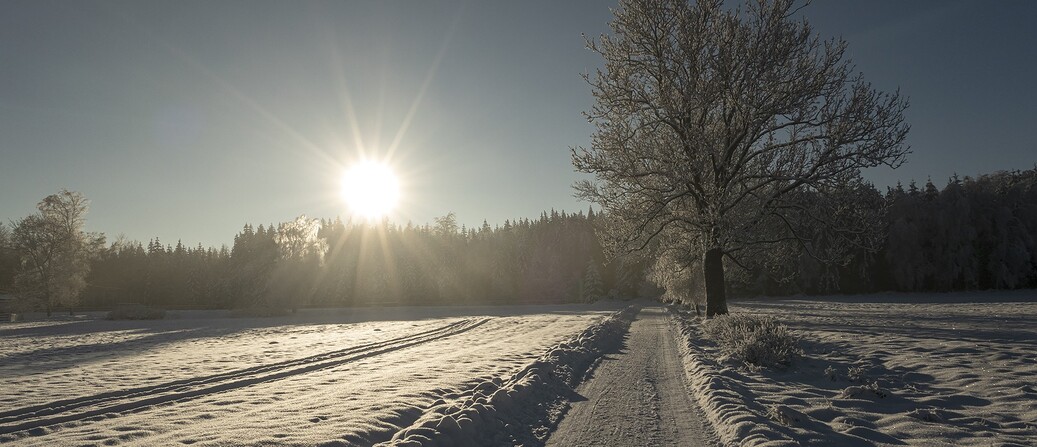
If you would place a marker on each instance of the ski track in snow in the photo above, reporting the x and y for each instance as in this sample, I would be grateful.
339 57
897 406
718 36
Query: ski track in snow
257 382
52 413
936 370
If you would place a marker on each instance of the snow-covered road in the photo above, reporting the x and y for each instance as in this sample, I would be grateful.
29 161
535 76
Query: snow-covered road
637 397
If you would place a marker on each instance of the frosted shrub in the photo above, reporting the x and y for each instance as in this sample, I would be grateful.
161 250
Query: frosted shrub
857 373
831 373
784 415
759 341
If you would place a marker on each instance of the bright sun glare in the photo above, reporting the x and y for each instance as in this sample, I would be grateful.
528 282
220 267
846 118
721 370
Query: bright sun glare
370 189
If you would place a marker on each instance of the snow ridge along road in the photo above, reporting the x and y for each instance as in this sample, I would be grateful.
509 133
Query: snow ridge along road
522 409
62 411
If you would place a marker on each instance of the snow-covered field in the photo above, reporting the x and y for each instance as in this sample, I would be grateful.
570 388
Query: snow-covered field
923 370
883 370
321 377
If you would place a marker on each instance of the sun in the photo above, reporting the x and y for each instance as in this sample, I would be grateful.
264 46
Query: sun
371 189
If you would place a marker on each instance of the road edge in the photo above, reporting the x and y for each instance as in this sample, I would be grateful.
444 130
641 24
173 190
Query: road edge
524 408
727 410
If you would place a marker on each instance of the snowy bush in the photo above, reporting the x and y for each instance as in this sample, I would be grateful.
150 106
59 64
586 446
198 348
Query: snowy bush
785 416
831 373
759 341
937 415
136 312
869 391
857 374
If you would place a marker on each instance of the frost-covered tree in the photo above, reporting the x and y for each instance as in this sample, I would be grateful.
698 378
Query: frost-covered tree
626 276
956 239
976 233
253 257
680 280
293 279
8 259
909 265
593 288
55 251
300 240
447 225
711 122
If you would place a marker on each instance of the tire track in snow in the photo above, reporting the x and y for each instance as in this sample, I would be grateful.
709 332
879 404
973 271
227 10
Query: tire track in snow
62 411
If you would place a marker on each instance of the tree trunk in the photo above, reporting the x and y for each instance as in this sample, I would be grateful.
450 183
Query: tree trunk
713 271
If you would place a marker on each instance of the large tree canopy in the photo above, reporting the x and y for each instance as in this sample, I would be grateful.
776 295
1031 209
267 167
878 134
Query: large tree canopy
712 125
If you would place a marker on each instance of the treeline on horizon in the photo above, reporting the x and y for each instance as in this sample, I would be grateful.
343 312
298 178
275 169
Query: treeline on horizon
973 234
528 261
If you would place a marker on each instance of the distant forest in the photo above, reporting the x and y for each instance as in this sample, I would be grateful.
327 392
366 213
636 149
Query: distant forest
540 261
974 234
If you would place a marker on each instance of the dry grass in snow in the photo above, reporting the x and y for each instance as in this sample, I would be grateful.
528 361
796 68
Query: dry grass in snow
757 341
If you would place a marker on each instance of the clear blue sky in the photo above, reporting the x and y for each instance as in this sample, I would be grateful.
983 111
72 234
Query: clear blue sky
187 119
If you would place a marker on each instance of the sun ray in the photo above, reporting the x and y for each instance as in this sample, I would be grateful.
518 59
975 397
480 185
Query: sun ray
431 74
389 261
240 97
342 88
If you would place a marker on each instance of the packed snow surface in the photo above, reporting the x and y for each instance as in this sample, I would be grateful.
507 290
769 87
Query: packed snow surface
636 396
321 377
882 370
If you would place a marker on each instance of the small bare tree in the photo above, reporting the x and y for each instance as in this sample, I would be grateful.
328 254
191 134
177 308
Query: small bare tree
55 251
713 124
293 280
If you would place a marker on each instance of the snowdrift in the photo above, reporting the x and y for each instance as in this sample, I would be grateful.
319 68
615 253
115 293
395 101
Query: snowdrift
878 372
522 409
738 419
